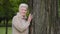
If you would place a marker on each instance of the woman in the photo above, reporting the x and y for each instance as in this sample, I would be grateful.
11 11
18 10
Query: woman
19 23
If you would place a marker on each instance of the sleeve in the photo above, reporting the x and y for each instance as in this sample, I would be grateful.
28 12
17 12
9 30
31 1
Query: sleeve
19 26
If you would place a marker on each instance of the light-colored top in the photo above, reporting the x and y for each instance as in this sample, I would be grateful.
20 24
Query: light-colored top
19 25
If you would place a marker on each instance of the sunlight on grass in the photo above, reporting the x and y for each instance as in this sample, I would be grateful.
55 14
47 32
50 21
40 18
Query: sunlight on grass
3 30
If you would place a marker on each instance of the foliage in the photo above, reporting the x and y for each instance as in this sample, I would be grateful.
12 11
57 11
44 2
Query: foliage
8 8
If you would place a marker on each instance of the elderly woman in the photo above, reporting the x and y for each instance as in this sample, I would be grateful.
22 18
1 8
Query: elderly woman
19 23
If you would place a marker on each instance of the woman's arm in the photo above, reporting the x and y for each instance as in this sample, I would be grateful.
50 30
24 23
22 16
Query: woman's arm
19 26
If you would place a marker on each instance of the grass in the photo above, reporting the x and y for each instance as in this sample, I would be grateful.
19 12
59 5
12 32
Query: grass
3 30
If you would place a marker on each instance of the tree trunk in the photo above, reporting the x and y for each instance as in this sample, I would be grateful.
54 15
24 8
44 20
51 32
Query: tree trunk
40 17
44 17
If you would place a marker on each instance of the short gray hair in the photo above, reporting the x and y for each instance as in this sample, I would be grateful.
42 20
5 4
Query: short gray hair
23 4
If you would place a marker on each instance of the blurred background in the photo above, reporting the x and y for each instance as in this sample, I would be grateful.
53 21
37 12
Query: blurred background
8 8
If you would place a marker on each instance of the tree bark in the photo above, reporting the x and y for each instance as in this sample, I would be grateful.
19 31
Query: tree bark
44 17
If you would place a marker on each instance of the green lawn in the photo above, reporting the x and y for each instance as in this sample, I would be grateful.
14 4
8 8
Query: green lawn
3 30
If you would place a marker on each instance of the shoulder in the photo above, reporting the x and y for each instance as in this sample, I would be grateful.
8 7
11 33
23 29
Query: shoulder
14 18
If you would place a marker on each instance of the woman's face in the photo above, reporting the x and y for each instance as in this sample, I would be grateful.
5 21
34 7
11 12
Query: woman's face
23 10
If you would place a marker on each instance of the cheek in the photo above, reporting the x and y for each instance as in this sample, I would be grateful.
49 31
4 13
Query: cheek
24 11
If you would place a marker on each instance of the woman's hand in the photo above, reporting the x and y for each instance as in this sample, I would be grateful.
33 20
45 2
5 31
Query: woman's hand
30 18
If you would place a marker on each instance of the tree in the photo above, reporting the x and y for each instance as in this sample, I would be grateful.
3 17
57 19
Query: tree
44 17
